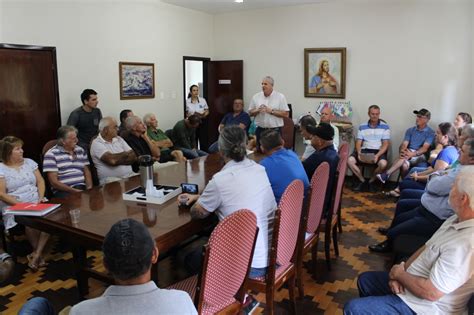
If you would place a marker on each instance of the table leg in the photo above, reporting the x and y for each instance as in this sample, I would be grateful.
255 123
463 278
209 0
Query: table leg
80 264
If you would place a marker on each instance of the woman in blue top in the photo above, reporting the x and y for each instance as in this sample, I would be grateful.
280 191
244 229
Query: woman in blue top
446 135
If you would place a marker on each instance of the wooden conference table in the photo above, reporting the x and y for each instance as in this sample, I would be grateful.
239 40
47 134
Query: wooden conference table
102 206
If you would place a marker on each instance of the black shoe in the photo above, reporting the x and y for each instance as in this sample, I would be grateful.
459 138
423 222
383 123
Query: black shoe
384 247
361 186
382 230
372 187
249 305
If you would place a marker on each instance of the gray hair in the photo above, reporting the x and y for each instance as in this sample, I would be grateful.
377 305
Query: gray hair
470 143
465 183
131 121
105 122
468 131
147 117
269 79
232 143
63 131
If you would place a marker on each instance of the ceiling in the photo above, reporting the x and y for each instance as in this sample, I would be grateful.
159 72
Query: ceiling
223 6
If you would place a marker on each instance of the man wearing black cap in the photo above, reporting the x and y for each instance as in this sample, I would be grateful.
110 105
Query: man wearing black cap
129 252
416 143
325 152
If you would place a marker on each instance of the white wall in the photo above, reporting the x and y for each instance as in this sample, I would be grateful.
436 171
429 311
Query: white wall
401 54
92 37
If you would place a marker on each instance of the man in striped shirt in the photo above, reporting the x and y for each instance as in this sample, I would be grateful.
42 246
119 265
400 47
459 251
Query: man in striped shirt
66 164
373 139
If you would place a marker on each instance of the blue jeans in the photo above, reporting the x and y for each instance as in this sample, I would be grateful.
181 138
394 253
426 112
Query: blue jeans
192 154
37 306
257 272
405 205
411 194
418 221
410 183
376 296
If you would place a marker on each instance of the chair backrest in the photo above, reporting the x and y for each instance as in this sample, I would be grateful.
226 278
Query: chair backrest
227 261
341 176
288 133
47 146
319 185
343 150
291 204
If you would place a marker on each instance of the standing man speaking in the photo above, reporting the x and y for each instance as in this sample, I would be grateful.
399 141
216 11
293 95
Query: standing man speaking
269 107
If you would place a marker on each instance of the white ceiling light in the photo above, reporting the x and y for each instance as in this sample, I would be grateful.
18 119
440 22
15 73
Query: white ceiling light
238 1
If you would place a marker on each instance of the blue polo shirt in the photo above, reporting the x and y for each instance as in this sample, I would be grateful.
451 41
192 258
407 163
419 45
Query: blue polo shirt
242 118
417 137
327 154
283 167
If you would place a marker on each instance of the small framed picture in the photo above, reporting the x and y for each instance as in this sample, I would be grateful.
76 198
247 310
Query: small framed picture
137 80
325 72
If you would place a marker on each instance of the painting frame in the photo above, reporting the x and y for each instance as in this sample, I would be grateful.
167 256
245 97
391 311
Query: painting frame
137 80
333 85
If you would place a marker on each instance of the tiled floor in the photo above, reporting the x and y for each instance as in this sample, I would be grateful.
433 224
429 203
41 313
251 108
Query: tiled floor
326 293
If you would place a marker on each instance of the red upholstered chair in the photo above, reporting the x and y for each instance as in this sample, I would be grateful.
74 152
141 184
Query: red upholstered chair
330 223
311 220
283 251
343 153
227 259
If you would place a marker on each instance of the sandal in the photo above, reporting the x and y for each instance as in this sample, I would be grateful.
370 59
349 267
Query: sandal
392 193
31 264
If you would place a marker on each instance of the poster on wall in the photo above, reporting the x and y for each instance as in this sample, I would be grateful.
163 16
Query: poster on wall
137 80
325 72
342 110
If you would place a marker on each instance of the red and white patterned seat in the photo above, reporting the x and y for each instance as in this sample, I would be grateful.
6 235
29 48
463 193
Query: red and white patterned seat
283 249
330 224
227 259
312 218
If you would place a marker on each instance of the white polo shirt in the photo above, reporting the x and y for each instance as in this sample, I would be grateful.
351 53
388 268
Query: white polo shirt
198 107
104 171
243 185
276 101
448 261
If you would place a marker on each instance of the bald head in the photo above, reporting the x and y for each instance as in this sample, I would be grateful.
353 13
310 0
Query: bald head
326 115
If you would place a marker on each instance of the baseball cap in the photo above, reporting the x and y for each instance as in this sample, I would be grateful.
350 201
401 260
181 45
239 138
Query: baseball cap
323 131
423 112
127 246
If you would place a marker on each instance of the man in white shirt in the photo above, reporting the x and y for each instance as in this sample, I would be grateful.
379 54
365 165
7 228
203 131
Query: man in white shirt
269 107
112 156
439 277
325 117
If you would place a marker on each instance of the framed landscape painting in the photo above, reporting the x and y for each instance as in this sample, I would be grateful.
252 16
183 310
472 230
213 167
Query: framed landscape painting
137 80
325 72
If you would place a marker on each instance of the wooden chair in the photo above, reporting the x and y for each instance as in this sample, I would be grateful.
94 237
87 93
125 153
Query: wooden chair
343 153
312 215
283 251
288 133
226 264
330 223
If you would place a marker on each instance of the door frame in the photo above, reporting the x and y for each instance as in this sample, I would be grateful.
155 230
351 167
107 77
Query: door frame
204 60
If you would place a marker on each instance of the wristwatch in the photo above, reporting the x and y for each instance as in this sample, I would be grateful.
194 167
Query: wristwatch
273 111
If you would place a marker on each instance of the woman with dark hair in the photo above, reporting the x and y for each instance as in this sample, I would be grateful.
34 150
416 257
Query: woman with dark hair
21 181
447 136
196 105
461 120
241 184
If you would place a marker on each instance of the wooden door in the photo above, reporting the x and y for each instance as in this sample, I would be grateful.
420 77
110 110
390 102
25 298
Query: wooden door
224 84
29 97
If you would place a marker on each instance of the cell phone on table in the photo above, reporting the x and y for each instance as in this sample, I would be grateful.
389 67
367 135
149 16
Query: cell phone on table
188 188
